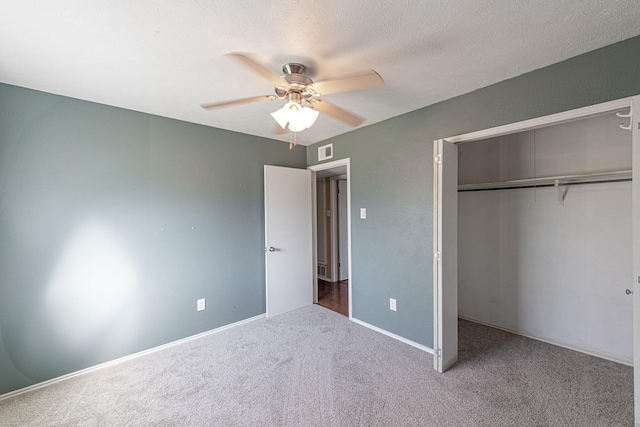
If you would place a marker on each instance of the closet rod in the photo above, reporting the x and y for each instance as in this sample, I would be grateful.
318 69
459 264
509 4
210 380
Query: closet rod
550 181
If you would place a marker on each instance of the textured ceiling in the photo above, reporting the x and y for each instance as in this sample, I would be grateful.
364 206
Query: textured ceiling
166 57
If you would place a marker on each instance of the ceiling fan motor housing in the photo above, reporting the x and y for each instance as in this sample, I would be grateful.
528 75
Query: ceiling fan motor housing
294 75
293 68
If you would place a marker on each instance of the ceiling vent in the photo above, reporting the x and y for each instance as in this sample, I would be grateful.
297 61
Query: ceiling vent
325 152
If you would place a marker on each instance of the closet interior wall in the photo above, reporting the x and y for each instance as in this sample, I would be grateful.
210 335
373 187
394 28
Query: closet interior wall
532 263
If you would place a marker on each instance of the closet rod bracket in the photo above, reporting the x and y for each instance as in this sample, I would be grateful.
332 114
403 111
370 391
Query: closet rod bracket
629 115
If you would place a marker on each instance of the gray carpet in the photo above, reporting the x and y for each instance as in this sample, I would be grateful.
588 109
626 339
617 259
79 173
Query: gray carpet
315 367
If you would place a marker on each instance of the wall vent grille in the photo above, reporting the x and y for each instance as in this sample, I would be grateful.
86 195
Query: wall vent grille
322 270
325 152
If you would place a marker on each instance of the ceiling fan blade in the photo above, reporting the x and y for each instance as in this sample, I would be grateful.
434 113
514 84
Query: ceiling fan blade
253 63
336 112
364 80
238 101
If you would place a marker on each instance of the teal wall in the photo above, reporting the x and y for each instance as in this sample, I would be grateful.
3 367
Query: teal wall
391 175
113 223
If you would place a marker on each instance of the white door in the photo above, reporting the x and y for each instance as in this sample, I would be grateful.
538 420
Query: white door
635 280
445 251
288 239
343 241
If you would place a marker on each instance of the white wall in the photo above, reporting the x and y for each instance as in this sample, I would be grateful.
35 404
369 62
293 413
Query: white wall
321 207
343 238
528 262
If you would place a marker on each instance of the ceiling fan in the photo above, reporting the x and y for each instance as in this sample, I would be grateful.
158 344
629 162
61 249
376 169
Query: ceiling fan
298 89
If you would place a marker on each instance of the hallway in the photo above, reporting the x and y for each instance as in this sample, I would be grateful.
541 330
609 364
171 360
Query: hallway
334 296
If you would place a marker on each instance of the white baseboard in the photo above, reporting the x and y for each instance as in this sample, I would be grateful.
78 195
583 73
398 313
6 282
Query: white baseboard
394 336
124 359
569 347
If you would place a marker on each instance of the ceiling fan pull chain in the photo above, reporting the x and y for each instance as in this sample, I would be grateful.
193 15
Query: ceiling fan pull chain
290 143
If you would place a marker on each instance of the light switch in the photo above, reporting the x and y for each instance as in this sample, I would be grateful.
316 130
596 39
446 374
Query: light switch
363 213
328 212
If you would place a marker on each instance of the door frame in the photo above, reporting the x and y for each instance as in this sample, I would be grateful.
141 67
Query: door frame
314 169
447 284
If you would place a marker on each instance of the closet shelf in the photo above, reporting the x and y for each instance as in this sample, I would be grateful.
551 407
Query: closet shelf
550 181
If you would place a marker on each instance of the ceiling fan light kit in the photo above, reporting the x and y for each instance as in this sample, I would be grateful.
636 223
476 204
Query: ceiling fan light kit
297 88
298 117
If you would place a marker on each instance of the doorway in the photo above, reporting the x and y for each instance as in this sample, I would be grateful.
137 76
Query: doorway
332 286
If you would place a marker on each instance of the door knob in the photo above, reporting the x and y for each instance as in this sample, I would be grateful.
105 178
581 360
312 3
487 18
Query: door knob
272 249
628 291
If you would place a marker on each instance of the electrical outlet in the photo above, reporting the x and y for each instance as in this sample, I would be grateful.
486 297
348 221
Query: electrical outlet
392 304
201 304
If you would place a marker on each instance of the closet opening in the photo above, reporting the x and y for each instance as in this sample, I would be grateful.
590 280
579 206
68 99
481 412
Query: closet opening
544 235
536 231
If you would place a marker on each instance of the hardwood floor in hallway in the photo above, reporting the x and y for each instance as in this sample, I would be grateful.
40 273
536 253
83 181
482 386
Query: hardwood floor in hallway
334 296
